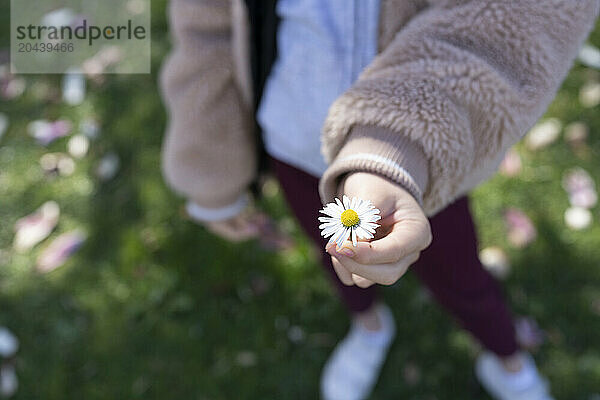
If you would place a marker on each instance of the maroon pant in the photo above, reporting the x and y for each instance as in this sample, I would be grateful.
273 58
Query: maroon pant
449 267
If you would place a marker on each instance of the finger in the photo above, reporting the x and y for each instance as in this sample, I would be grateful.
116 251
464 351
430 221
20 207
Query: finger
385 274
406 237
260 220
362 282
236 229
343 274
226 232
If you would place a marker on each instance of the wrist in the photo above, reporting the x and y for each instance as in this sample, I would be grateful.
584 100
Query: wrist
381 152
214 214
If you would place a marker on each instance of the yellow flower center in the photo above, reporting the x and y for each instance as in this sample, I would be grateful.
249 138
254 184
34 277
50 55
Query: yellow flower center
350 218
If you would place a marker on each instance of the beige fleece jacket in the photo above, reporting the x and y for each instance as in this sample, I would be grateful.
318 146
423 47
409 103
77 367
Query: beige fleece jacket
455 84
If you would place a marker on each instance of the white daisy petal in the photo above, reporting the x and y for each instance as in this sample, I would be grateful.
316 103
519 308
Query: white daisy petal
353 203
345 236
367 213
369 229
339 203
333 209
361 208
337 224
327 219
354 241
370 218
329 212
337 208
346 202
328 227
331 221
363 233
330 231
339 236
328 224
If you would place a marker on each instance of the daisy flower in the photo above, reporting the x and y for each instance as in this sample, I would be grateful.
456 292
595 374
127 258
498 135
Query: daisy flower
354 218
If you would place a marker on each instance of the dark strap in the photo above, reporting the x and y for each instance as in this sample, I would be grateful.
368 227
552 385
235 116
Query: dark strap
263 52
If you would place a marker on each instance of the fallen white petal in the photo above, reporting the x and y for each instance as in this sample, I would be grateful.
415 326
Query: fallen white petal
9 344
543 134
78 146
589 56
495 261
73 88
578 218
589 94
9 383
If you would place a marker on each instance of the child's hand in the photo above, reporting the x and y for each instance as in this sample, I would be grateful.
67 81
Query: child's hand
403 234
251 224
247 225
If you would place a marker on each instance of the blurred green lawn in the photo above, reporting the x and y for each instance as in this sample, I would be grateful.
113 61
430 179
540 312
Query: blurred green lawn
153 307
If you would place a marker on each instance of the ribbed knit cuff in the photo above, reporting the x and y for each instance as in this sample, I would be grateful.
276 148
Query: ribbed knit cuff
382 152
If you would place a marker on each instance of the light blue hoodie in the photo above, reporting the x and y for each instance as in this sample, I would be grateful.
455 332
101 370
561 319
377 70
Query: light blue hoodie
322 48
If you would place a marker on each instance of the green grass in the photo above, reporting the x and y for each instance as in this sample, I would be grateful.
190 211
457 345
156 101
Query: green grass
153 307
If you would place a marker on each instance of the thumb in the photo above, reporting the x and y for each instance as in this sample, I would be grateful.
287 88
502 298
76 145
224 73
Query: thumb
404 238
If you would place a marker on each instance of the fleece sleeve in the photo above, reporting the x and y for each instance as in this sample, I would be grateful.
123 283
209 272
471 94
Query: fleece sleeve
457 85
209 150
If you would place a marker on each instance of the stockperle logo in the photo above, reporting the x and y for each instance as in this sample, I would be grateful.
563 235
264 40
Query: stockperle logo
107 36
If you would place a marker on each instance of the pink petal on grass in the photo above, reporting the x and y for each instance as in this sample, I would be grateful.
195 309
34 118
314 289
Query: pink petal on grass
521 231
59 251
11 86
528 333
35 227
581 188
511 165
103 60
576 134
45 132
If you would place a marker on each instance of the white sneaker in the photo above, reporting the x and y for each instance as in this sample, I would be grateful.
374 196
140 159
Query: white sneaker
527 384
353 368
